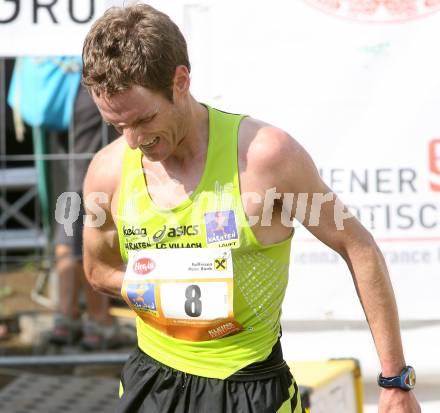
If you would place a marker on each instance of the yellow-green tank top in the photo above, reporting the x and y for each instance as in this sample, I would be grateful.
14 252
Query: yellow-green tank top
260 271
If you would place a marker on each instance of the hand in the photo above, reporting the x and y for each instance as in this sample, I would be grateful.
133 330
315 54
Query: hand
398 401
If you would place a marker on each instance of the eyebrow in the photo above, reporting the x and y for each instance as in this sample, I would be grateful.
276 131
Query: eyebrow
135 122
144 118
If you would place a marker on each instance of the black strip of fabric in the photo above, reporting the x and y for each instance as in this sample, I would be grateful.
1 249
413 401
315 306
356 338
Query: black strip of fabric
273 366
294 399
152 387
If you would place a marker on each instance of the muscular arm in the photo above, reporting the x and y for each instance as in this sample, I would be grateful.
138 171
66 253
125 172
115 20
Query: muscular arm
102 262
356 246
294 172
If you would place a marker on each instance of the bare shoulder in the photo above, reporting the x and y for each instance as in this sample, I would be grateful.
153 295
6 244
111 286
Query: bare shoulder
104 170
269 150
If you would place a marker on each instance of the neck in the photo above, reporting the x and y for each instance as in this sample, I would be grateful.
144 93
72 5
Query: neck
194 143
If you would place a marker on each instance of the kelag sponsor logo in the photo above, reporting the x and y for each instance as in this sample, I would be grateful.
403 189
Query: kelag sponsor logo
380 11
136 238
130 231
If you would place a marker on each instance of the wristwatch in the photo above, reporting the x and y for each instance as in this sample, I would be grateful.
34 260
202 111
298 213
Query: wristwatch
406 380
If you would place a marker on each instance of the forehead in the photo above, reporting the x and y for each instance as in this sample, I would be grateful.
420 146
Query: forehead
128 106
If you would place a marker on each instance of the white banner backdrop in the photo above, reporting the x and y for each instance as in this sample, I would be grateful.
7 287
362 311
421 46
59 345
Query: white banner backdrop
58 27
356 82
361 93
46 27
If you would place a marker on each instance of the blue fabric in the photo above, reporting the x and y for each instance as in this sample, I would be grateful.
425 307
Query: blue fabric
43 90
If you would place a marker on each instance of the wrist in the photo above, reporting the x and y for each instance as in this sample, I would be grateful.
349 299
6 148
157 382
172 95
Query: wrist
405 380
391 369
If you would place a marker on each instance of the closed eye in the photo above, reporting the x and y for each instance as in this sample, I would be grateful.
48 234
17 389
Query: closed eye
146 120
135 124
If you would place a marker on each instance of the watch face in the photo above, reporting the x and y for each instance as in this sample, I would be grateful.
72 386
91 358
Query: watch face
406 380
410 377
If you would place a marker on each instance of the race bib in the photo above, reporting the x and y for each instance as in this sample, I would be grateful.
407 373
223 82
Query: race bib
186 293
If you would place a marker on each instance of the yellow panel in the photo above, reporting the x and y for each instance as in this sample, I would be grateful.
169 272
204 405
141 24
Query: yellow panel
359 390
122 312
316 374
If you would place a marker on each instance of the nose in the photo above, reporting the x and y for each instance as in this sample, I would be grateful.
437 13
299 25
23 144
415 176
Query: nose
132 137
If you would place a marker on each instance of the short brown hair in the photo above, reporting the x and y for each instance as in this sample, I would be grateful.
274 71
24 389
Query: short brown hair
133 45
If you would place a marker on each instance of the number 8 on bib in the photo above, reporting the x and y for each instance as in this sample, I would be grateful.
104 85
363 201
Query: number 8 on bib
186 293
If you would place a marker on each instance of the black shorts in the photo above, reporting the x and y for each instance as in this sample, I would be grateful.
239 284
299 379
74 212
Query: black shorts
150 386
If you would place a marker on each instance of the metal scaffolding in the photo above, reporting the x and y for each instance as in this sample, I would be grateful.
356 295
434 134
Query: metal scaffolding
26 183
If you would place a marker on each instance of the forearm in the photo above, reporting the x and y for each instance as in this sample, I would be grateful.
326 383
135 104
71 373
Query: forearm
375 292
106 280
103 266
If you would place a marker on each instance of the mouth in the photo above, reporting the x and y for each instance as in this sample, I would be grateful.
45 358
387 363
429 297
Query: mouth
149 144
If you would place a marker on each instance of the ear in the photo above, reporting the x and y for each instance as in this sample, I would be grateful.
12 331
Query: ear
181 81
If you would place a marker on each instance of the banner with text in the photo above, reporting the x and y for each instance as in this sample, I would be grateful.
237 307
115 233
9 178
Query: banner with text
355 82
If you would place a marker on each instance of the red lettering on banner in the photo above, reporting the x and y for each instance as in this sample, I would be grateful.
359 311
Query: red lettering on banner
378 10
434 163
143 266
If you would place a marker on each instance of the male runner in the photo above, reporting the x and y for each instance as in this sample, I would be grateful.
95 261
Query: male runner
182 187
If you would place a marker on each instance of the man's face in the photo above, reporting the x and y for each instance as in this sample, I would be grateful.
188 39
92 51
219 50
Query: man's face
147 120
